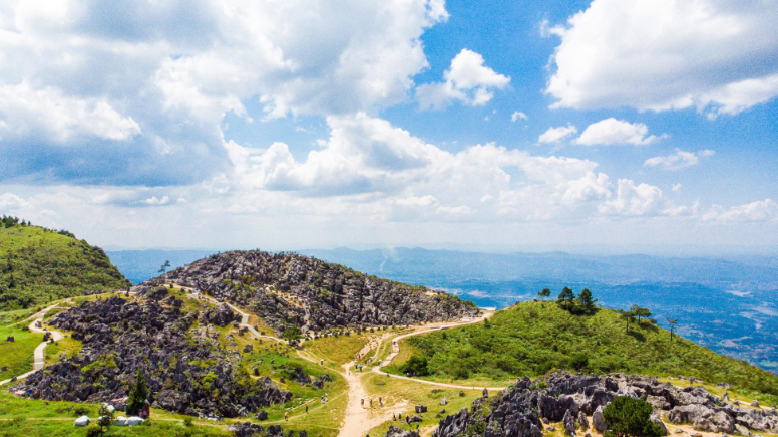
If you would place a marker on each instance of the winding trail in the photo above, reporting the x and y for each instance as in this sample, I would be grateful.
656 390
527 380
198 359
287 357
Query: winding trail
244 315
38 357
396 351
358 419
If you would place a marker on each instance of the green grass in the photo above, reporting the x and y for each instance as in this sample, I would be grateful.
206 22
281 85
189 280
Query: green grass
17 355
533 338
38 265
339 350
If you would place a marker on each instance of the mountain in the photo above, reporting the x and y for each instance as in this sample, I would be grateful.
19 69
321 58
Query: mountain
38 265
140 265
289 290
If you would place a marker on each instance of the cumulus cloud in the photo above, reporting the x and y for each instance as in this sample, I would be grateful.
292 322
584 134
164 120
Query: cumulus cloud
761 210
556 134
11 201
634 200
516 116
612 132
663 54
678 160
152 82
467 80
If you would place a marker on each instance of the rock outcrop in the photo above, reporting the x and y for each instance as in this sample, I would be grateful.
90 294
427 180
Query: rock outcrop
313 294
522 409
186 371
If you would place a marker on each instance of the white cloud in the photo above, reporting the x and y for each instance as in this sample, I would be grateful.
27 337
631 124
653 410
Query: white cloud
417 201
556 134
634 200
462 209
516 116
665 54
678 160
49 114
11 201
467 80
161 77
677 187
761 210
612 132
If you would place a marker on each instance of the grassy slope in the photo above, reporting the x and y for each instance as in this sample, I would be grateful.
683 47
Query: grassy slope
17 356
533 338
46 265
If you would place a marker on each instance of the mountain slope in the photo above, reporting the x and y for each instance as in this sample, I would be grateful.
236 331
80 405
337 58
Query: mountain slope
38 265
532 338
290 290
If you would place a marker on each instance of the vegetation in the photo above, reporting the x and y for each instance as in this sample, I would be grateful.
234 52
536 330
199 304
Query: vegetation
630 417
17 355
38 265
533 338
138 393
416 366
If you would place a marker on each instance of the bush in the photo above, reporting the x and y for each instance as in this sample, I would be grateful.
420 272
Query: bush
579 361
187 422
93 431
630 417
415 366
80 411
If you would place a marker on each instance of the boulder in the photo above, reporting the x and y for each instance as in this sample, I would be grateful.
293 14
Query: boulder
583 422
569 423
397 432
81 421
658 420
598 420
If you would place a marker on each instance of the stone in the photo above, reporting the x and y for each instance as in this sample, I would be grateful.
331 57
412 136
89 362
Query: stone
397 432
420 409
568 422
598 420
658 420
755 403
583 422
262 415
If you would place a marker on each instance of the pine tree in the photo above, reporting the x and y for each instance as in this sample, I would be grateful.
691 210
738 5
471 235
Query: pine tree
565 298
544 293
586 300
138 393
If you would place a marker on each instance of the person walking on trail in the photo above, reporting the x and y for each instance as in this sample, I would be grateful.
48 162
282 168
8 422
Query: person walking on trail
306 409
322 362
371 402
286 416
380 402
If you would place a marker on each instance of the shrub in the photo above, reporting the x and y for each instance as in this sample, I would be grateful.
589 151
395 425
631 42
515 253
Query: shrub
80 411
187 422
579 361
416 366
630 417
93 431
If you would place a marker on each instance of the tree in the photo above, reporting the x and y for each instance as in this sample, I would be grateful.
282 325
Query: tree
627 315
630 417
672 323
641 312
544 293
138 393
586 300
415 366
105 418
565 298
163 267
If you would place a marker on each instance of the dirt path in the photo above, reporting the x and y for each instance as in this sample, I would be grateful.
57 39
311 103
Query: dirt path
360 418
244 316
396 351
38 355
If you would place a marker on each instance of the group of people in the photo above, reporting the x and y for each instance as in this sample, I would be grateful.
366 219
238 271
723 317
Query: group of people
380 402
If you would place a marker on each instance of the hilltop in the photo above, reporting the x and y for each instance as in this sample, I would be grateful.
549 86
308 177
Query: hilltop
291 291
532 338
38 265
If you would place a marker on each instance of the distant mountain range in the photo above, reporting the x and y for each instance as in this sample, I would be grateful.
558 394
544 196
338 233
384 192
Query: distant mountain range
728 304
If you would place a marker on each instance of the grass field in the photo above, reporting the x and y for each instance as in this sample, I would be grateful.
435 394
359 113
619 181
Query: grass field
533 338
17 355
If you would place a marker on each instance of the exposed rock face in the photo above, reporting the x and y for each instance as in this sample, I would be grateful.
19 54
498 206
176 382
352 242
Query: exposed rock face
520 410
289 287
186 373
397 432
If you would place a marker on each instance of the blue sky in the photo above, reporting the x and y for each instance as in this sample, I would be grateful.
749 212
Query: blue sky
633 126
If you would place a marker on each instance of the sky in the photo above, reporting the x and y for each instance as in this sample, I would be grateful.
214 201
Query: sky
637 126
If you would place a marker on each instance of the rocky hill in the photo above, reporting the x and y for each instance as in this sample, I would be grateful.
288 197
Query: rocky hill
527 408
288 290
38 265
187 370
